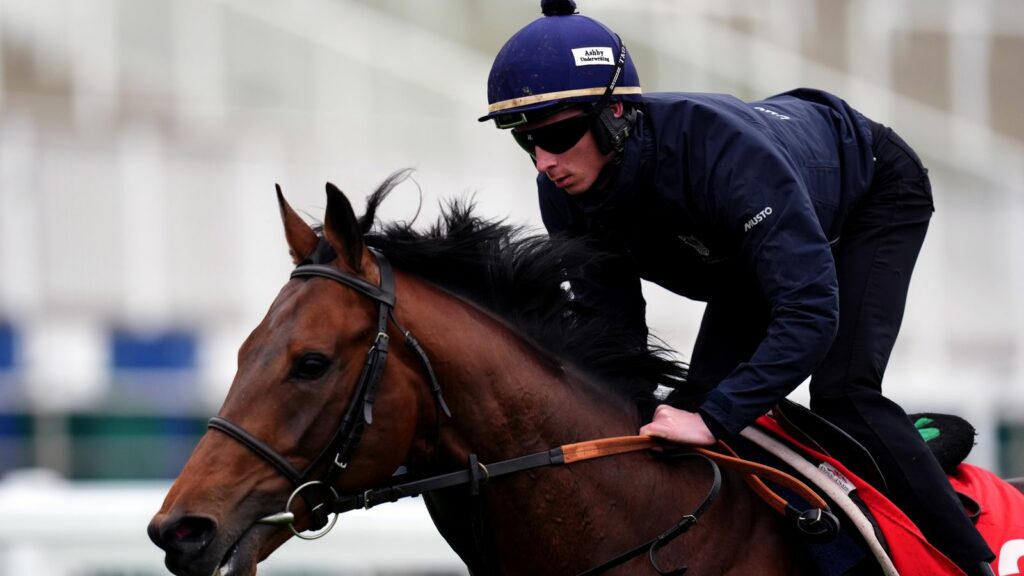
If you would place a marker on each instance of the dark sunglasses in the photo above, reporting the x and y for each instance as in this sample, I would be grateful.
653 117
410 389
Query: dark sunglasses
554 138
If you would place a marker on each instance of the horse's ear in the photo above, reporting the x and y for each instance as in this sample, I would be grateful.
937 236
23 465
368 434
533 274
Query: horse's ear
341 228
301 238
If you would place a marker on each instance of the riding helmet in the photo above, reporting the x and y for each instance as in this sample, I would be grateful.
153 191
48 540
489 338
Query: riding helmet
560 59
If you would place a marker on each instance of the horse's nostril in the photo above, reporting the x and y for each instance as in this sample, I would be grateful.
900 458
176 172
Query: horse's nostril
183 535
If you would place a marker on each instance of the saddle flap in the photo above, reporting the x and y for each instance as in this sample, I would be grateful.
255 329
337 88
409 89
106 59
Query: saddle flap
827 438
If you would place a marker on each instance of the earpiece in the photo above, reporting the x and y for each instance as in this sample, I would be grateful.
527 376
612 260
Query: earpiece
611 132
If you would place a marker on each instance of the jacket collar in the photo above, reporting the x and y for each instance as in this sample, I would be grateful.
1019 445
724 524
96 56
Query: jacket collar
619 188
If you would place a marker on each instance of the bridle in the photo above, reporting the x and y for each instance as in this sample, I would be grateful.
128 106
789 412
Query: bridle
815 521
360 409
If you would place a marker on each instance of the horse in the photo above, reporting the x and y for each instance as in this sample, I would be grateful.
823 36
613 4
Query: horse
500 361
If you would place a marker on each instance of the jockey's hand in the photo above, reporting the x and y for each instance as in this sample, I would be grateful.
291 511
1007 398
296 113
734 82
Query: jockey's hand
679 426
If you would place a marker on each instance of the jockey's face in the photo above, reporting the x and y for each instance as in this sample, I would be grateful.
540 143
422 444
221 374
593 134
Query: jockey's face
576 169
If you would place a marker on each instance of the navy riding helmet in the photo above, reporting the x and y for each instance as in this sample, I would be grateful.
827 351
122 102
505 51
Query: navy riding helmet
560 59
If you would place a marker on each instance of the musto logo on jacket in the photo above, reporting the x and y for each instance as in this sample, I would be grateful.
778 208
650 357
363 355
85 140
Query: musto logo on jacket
758 218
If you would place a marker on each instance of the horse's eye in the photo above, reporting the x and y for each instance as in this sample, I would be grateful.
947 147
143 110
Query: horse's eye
310 366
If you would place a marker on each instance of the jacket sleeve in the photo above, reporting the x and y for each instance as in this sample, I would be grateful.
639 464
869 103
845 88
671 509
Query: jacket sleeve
753 193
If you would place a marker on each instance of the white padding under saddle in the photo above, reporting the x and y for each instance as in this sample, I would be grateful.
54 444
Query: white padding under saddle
832 487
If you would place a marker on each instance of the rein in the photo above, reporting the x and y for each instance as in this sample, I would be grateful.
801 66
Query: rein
816 521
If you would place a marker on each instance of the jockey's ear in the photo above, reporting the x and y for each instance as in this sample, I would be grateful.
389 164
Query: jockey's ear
300 236
341 228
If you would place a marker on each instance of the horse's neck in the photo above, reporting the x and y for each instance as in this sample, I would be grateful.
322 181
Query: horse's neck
507 398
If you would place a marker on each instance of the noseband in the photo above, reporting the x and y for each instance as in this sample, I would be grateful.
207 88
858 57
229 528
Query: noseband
360 410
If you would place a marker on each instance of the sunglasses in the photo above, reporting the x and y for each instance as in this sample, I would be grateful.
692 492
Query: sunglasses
554 138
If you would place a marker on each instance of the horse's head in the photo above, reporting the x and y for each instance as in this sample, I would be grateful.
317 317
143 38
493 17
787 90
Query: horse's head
322 410
296 413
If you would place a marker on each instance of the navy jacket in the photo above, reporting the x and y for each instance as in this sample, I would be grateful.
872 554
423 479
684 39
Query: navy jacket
712 194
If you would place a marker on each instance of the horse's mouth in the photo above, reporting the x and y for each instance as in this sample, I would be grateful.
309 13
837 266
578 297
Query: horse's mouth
242 557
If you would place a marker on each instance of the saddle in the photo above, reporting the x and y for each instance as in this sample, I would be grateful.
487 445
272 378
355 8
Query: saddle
949 437
816 432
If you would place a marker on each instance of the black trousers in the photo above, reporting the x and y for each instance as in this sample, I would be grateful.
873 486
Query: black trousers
878 248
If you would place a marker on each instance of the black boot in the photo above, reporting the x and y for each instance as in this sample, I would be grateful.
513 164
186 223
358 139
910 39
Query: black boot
982 569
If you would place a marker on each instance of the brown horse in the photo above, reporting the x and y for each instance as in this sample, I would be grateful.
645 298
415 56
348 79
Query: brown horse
485 303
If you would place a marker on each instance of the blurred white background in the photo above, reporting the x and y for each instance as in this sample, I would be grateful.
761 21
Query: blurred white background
140 141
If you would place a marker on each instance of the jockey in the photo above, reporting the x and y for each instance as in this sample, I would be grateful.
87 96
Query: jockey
785 215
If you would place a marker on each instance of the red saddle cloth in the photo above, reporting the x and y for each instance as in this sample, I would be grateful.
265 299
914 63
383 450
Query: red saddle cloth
1001 522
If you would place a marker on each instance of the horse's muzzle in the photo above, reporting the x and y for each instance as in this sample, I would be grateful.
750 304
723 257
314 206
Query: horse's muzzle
186 539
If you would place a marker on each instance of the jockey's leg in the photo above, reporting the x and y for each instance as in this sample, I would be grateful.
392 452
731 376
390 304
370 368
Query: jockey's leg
874 260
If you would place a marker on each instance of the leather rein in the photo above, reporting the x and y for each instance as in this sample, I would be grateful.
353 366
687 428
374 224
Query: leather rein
322 499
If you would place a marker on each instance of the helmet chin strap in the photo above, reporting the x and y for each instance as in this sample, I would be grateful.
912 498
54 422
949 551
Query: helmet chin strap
610 131
616 74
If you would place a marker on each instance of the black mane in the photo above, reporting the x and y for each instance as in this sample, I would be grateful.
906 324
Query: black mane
520 278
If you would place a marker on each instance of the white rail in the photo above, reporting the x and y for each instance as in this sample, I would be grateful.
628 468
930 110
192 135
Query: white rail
53 527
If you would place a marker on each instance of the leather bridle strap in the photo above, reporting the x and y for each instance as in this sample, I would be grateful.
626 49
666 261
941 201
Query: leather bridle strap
384 294
394 492
754 471
655 544
360 409
568 454
578 452
258 446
